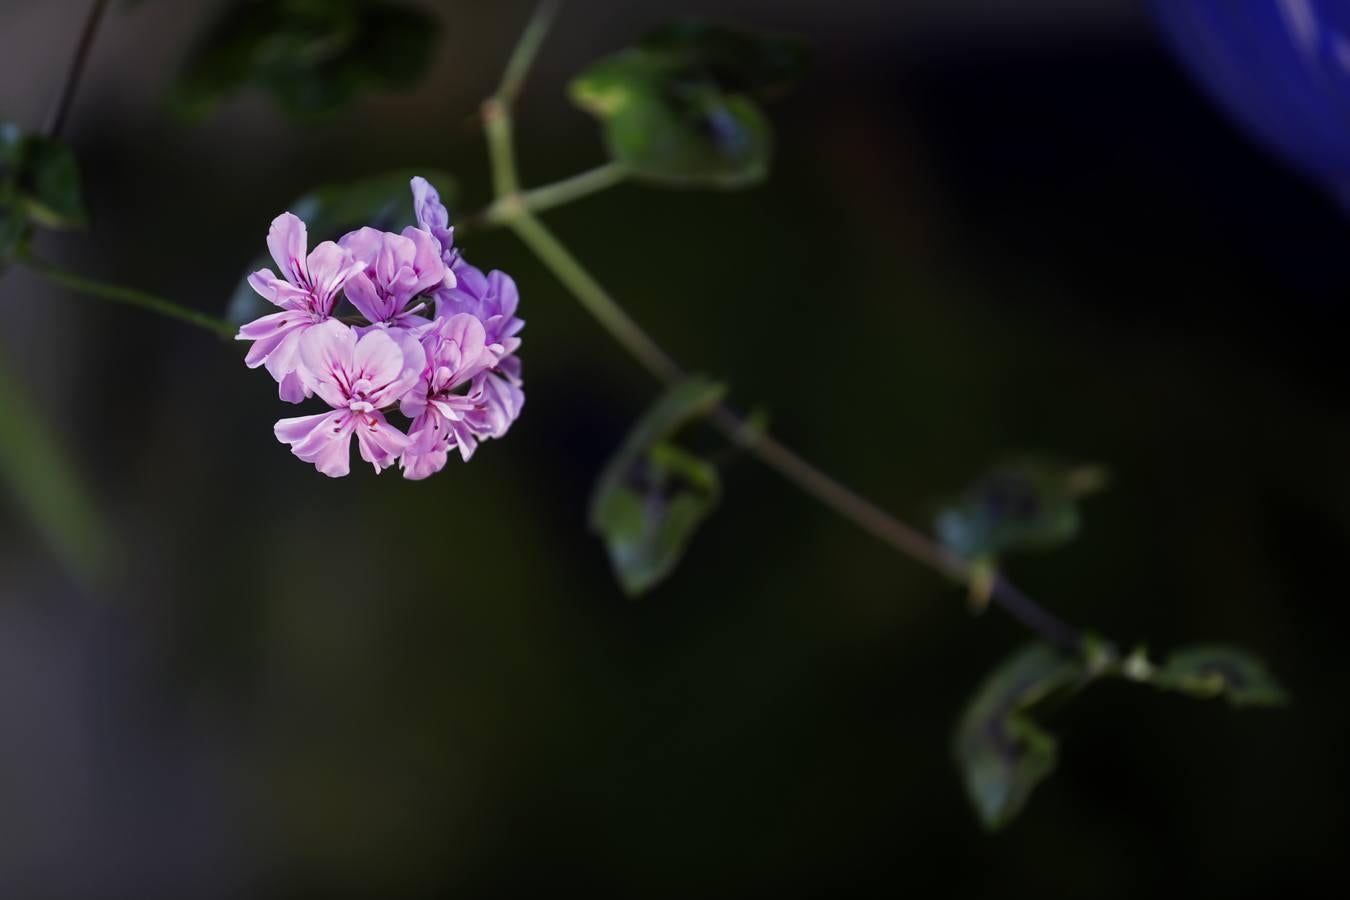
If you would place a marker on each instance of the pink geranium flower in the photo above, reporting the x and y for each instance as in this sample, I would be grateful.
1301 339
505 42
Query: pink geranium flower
394 269
493 299
448 397
453 370
358 379
307 292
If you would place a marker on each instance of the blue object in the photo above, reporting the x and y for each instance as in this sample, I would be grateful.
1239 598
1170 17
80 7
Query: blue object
1280 68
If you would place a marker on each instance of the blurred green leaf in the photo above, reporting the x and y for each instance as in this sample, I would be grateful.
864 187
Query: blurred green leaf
43 479
313 56
14 230
1216 670
11 146
679 108
381 201
652 495
52 184
1023 505
759 65
39 185
1001 751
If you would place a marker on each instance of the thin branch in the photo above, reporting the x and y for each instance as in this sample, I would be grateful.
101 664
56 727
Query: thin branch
594 297
839 497
888 529
787 462
496 109
527 48
56 118
559 193
129 296
513 209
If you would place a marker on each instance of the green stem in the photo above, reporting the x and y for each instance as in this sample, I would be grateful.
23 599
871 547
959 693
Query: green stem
129 296
527 48
502 149
496 116
56 119
593 296
559 193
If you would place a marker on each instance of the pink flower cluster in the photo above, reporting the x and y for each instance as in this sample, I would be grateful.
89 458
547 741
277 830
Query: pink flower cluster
432 337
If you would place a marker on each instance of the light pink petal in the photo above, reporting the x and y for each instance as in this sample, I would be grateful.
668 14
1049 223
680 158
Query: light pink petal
427 206
410 321
326 352
271 325
464 439
473 284
414 401
378 358
426 263
413 367
324 440
429 442
503 288
285 356
380 443
509 368
329 268
396 254
287 240
291 388
292 431
364 244
469 354
361 292
500 405
417 466
268 332
278 292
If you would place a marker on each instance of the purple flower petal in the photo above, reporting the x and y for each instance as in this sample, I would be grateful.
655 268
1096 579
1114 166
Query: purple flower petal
287 240
324 440
380 443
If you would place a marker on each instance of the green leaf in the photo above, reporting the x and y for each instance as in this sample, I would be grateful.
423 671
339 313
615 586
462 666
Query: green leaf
1024 505
42 478
39 185
760 65
679 108
1217 670
11 147
52 185
14 231
381 201
1003 754
312 56
652 495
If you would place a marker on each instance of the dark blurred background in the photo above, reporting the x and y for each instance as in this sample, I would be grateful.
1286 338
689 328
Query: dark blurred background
1012 226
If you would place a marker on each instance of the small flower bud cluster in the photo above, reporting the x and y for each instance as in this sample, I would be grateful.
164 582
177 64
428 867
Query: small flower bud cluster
431 337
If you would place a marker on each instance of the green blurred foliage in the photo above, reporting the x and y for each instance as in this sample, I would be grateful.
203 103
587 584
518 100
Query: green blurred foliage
1003 754
38 471
1020 505
312 56
652 495
1217 670
39 186
680 109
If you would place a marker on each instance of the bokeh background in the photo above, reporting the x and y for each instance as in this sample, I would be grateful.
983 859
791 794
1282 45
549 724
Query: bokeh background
1005 226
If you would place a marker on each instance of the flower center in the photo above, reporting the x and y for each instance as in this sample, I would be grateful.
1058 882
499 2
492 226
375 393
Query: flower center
359 396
